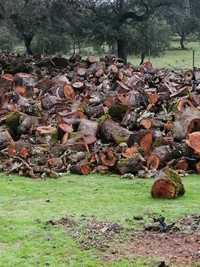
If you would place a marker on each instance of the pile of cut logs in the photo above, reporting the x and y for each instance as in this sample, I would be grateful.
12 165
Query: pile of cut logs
62 115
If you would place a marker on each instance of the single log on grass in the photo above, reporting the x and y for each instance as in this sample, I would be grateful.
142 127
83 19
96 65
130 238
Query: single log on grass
113 132
167 185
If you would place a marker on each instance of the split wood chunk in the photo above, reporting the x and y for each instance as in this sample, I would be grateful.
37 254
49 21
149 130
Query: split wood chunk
193 141
167 185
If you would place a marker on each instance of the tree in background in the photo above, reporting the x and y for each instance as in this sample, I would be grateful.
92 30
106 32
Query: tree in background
183 20
26 18
149 38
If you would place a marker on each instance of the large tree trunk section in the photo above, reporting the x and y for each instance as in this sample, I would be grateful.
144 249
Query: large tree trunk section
167 185
113 132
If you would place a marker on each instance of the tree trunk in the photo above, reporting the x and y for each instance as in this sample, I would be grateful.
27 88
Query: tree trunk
121 49
27 43
182 41
142 58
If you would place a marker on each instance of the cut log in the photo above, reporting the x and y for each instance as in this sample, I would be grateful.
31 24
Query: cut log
159 157
144 138
111 131
146 123
186 122
167 185
130 152
108 157
193 141
88 127
182 165
131 165
81 168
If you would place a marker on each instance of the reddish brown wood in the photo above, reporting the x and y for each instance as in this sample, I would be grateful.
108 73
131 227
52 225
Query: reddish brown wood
108 157
193 141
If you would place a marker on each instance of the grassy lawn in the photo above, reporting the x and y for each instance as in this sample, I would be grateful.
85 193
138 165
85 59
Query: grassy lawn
26 205
175 58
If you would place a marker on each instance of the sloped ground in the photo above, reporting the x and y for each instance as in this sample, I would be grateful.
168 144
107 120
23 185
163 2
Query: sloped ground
26 205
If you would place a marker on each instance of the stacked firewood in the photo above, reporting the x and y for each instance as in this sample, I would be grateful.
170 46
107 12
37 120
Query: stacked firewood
62 115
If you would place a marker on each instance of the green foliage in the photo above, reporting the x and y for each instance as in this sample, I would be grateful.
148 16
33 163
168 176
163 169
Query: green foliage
151 36
7 41
45 43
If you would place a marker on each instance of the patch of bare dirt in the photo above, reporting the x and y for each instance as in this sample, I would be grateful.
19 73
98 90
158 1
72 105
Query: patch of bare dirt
177 248
91 233
176 243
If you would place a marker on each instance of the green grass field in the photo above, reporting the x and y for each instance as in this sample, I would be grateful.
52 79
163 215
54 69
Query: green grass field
175 58
26 205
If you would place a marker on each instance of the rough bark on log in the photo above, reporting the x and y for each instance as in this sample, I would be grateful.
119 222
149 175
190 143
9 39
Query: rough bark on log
167 185
113 132
130 165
